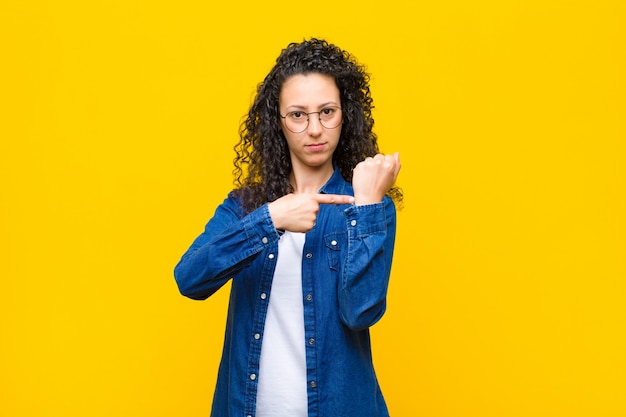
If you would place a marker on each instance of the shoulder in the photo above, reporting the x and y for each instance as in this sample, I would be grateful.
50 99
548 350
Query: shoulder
232 205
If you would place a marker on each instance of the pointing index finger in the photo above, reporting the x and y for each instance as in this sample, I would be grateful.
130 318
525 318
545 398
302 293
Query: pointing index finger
334 199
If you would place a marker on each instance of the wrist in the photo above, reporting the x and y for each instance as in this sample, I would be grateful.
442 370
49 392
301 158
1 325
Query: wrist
363 200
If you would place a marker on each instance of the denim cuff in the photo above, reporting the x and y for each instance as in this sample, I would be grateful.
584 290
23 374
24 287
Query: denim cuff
259 227
366 219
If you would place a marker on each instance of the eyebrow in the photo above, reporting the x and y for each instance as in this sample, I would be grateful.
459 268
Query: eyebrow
321 106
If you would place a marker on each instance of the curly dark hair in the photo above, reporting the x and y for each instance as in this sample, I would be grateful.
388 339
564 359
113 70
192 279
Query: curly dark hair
262 147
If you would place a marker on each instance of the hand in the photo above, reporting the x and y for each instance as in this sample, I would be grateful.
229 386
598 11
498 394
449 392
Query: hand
298 212
372 178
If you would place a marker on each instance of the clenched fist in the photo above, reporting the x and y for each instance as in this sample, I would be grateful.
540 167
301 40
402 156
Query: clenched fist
372 178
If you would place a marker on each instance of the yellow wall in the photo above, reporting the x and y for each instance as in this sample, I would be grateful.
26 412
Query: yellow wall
117 122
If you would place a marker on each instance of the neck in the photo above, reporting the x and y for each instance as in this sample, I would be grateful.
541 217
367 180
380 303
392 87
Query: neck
310 180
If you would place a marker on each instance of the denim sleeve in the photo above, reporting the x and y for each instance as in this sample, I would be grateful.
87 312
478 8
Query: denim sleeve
229 243
365 275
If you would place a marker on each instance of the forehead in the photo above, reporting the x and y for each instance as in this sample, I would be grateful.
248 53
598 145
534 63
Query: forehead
308 90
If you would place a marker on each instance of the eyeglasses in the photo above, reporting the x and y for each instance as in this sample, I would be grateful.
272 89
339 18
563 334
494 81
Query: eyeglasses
298 121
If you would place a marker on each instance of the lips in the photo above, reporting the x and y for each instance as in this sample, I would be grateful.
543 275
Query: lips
316 147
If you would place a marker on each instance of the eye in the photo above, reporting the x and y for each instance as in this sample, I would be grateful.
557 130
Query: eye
328 112
297 115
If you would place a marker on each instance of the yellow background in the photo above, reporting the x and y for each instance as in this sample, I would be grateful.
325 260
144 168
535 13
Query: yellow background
118 119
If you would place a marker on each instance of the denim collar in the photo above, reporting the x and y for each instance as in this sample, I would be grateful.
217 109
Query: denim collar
336 184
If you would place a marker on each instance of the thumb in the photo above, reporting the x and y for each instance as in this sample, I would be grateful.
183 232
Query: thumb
398 164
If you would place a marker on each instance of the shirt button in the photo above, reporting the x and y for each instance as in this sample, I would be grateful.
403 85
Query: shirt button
252 377
309 297
271 256
353 222
334 243
309 255
257 336
264 240
311 341
313 384
263 296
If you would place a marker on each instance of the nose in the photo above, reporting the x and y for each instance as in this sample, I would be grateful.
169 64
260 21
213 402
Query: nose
315 124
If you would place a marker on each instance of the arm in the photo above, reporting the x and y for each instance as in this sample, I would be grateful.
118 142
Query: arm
365 275
228 244
371 227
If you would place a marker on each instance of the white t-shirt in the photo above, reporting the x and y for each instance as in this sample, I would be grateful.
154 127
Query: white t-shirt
282 387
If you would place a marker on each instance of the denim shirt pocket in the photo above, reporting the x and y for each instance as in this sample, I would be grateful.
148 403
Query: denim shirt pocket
335 243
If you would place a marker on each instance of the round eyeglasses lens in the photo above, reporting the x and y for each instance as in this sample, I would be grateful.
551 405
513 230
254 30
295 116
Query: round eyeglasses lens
330 117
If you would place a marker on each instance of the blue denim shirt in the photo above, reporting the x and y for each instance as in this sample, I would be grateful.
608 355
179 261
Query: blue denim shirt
345 274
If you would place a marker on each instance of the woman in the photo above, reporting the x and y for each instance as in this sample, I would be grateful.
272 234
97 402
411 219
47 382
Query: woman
307 239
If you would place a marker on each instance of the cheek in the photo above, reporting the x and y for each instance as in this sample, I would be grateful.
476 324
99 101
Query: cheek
291 139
